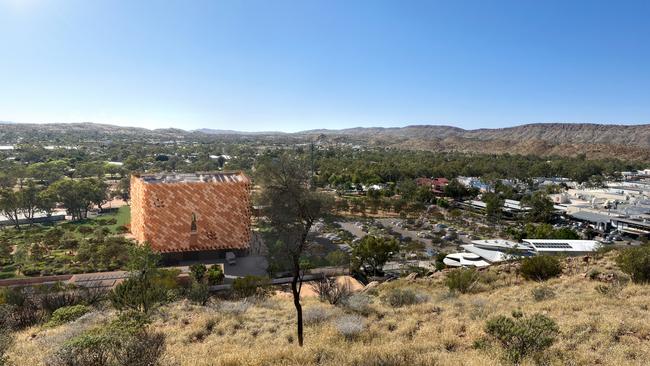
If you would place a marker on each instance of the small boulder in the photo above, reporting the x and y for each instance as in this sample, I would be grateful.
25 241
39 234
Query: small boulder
370 286
411 277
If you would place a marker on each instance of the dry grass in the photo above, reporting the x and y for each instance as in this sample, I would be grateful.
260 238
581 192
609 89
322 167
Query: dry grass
596 328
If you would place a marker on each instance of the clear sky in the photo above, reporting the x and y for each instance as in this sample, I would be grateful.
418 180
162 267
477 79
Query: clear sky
304 64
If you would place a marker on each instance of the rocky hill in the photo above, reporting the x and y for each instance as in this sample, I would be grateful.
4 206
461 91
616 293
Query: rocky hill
593 140
601 320
630 142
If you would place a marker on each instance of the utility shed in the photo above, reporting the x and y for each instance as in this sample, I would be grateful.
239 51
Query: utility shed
178 213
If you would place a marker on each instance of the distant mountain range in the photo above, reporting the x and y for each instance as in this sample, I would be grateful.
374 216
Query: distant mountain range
211 131
594 140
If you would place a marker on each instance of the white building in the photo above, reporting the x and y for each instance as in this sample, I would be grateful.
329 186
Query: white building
464 260
563 246
498 250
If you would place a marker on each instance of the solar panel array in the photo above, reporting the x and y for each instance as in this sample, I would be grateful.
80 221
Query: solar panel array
553 246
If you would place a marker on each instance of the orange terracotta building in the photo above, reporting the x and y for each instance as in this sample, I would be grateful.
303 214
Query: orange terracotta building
178 213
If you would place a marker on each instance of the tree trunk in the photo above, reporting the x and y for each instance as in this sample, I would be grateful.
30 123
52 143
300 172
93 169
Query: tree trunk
296 302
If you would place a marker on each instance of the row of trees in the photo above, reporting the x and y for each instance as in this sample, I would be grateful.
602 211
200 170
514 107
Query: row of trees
343 167
76 195
46 173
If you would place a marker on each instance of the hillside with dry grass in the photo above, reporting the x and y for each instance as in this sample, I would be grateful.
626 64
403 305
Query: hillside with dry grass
596 141
601 319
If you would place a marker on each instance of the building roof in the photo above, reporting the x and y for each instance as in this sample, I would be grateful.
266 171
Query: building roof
199 177
423 181
501 244
498 250
464 260
590 216
633 222
493 255
563 245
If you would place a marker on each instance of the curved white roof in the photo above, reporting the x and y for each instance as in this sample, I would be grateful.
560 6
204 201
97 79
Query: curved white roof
464 260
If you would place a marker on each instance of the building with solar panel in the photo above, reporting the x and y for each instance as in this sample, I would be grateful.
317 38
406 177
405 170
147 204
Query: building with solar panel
563 246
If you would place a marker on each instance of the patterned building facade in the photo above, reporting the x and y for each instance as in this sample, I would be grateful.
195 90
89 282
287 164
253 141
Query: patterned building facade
177 213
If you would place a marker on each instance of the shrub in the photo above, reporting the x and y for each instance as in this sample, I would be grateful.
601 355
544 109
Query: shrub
540 268
398 297
198 293
147 285
125 341
215 275
594 273
462 280
5 336
202 333
13 296
135 293
316 315
60 297
359 303
328 289
234 307
636 263
350 326
542 293
84 350
251 286
20 309
198 271
67 314
85 229
143 349
521 336
612 290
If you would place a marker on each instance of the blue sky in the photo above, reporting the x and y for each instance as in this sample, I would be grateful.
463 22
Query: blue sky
295 65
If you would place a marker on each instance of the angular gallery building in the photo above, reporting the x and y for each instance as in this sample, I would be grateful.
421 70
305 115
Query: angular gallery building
181 213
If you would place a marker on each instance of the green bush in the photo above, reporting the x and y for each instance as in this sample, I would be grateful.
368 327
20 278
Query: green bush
359 303
215 275
636 263
147 287
540 267
67 314
250 286
83 350
462 280
594 273
542 293
198 293
125 341
20 310
398 297
144 349
137 294
83 229
5 334
440 265
522 336
198 271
